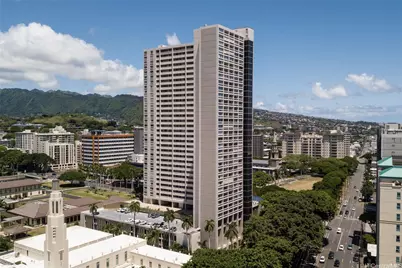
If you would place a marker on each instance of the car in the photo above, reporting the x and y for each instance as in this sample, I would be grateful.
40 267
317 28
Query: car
350 246
360 199
337 263
322 259
341 247
331 255
371 199
346 212
328 227
341 213
345 204
355 197
339 231
354 187
353 209
356 257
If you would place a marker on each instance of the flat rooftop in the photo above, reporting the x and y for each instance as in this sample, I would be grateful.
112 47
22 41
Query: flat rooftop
77 237
8 260
94 251
113 215
162 254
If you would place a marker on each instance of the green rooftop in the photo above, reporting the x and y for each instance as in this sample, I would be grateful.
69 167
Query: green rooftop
385 162
392 173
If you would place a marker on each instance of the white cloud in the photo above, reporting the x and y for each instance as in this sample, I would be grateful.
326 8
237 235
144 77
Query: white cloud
338 91
36 53
172 40
259 105
370 82
280 107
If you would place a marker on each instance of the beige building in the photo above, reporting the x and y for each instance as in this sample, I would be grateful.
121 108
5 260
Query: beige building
198 127
333 143
389 212
59 145
336 144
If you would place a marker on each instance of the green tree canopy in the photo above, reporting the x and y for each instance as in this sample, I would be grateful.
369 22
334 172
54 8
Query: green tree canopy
73 176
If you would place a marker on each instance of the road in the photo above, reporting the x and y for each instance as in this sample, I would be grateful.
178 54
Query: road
348 225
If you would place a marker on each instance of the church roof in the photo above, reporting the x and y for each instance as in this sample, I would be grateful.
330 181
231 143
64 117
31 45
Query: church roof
32 210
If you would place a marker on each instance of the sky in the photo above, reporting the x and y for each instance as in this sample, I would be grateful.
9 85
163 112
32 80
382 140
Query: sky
329 58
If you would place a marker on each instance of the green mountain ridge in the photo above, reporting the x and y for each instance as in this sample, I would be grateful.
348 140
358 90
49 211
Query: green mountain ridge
22 102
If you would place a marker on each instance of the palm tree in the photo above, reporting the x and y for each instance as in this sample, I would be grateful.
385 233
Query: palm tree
153 237
114 229
134 207
93 209
231 232
169 217
209 228
186 225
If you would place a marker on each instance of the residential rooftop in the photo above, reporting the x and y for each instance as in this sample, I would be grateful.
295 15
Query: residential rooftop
112 215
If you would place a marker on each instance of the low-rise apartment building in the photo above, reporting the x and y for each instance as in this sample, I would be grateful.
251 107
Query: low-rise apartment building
107 148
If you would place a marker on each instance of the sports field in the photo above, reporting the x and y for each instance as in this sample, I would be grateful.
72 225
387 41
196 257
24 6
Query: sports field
303 184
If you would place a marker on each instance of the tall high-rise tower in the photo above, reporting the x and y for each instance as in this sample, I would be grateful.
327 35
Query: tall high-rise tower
198 126
56 243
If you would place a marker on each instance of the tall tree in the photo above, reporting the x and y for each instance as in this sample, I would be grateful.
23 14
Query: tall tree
134 208
186 225
169 217
231 233
153 237
93 209
209 228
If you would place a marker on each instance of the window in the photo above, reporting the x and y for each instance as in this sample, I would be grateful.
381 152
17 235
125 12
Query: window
398 196
117 259
97 265
398 227
142 262
398 206
398 259
125 256
150 264
159 266
61 255
398 238
107 263
398 217
397 249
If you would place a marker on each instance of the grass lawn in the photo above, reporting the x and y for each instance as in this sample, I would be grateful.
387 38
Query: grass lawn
98 194
37 231
304 184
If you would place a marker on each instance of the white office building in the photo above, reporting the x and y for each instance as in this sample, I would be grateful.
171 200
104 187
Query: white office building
106 148
198 127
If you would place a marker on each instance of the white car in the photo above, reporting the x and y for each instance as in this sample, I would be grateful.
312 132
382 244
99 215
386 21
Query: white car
339 231
353 209
341 248
322 259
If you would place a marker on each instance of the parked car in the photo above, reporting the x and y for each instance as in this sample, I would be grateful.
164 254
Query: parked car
341 247
339 231
350 246
328 227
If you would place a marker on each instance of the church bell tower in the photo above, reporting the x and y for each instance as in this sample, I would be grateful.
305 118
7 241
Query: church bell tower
56 243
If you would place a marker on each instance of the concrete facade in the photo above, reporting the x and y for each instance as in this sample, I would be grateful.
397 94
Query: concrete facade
139 140
107 148
24 140
258 146
195 102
